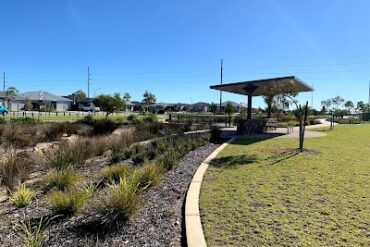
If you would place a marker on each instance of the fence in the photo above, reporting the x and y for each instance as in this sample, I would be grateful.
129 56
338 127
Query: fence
202 118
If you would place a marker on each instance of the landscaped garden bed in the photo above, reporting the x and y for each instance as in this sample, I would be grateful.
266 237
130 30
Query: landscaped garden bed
101 189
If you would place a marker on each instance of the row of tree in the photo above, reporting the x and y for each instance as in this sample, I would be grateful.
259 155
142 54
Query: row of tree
110 103
339 105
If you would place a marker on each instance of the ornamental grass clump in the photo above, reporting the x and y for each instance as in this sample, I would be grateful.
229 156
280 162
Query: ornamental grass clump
68 154
13 167
114 172
62 178
148 175
22 196
70 201
120 200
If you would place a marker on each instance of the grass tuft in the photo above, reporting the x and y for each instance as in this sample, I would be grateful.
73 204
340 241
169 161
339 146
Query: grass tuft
31 237
22 197
62 179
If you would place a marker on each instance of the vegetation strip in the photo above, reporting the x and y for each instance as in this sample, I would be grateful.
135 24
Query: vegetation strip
194 231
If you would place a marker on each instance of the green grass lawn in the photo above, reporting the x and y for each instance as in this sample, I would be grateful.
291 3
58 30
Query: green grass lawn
261 193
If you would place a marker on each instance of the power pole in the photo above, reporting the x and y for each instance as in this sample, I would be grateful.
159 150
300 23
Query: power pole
368 102
4 82
221 82
88 82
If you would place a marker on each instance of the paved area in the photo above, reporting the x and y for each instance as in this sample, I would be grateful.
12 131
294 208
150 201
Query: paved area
230 132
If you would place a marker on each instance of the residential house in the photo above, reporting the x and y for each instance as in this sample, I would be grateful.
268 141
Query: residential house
12 102
42 100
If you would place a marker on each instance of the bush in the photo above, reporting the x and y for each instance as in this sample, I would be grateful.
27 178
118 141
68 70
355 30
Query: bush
120 201
68 154
119 144
148 175
134 119
23 120
68 202
62 179
169 160
100 126
150 118
22 197
215 133
2 120
9 168
114 172
17 135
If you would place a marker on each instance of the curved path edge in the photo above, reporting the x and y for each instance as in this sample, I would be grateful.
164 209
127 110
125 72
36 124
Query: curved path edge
193 224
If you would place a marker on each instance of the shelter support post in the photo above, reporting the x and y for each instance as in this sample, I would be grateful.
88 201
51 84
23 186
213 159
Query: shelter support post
249 110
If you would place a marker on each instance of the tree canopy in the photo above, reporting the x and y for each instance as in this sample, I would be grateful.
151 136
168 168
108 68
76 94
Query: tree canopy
109 103
148 99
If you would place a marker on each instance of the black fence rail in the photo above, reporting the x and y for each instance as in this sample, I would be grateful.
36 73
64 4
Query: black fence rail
201 118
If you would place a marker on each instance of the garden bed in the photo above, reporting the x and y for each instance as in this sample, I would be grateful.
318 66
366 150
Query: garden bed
147 217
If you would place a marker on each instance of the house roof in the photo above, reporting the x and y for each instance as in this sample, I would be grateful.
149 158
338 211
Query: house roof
260 87
44 96
14 97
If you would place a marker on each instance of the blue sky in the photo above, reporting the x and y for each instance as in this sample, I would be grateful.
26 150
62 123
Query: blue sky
173 48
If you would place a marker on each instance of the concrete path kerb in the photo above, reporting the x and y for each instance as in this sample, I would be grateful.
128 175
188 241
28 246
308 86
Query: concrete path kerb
193 224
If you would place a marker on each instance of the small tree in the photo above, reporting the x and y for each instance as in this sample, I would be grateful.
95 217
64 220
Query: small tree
79 95
148 99
213 108
229 110
349 105
360 106
109 103
127 97
28 105
279 92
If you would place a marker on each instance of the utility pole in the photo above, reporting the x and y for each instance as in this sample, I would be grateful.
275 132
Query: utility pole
221 82
4 82
88 82
368 102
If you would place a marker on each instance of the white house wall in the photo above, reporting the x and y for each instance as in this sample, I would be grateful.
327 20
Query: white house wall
16 105
63 106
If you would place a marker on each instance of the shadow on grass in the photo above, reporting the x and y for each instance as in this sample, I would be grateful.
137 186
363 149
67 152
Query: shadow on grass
233 161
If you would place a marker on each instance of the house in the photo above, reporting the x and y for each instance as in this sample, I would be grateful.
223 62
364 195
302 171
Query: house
237 107
45 101
200 107
13 102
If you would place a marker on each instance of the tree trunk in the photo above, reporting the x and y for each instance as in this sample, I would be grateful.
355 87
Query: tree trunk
269 108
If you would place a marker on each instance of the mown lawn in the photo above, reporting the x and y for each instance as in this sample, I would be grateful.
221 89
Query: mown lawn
261 193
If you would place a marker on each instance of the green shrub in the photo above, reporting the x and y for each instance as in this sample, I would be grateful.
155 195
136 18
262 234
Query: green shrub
68 154
134 119
139 158
18 135
23 120
119 144
22 197
148 175
169 159
2 120
62 178
114 172
10 164
31 237
150 118
215 133
120 201
68 202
